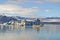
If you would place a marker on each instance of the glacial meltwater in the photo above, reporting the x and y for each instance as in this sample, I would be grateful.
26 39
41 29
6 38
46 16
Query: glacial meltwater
47 32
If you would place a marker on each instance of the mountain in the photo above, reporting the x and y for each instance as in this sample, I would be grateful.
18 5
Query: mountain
4 19
52 18
25 18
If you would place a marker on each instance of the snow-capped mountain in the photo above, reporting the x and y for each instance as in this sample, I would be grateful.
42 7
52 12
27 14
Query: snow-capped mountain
4 18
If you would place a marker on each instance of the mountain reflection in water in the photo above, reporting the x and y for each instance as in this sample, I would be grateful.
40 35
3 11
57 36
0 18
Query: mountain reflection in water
47 32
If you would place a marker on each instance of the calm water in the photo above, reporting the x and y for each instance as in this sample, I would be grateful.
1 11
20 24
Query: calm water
47 32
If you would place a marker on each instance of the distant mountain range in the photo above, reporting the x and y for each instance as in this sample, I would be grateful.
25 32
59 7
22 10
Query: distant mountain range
4 19
52 18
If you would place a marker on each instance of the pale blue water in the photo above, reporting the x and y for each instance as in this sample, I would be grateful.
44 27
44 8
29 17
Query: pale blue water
47 32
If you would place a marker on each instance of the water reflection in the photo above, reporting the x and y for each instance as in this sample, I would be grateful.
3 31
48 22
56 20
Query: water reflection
5 28
47 32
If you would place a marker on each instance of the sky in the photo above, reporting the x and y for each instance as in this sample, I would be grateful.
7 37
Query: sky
30 8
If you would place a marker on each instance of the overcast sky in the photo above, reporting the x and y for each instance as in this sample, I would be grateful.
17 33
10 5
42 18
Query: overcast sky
30 8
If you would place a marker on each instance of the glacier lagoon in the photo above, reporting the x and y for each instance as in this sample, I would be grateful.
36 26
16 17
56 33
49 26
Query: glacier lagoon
47 32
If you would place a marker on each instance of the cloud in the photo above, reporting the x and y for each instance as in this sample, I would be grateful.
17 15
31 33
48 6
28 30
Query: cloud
13 9
39 2
34 1
52 0
17 1
24 1
52 20
46 10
